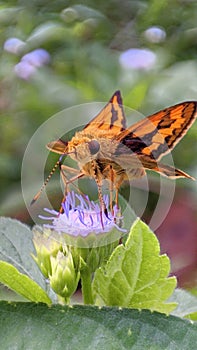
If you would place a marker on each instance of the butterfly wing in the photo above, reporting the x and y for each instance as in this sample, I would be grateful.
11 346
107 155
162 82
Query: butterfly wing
110 121
58 146
156 135
111 118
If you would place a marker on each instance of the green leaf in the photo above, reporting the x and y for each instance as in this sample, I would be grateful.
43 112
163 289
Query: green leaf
127 212
16 248
22 284
187 304
136 275
37 326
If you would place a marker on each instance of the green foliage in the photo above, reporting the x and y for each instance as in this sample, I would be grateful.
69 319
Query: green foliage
83 327
136 275
22 284
16 248
187 304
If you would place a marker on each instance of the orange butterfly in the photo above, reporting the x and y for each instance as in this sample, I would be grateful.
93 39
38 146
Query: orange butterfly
106 149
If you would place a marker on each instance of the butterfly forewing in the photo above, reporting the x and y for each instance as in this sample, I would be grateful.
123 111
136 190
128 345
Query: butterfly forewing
111 118
109 122
58 146
157 134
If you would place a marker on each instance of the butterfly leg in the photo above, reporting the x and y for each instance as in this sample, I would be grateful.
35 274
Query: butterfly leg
110 175
67 181
121 178
68 169
100 195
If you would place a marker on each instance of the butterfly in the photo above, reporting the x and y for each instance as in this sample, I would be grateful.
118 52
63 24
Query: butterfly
105 149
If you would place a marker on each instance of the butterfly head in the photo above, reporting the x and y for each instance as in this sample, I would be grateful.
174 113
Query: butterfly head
83 149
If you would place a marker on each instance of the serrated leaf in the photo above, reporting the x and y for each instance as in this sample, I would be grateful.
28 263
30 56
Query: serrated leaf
37 326
136 275
22 284
16 248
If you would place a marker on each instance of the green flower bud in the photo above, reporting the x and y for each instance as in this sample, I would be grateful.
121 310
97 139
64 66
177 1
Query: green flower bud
46 245
64 276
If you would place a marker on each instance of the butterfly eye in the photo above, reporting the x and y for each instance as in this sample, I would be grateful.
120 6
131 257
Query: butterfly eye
94 146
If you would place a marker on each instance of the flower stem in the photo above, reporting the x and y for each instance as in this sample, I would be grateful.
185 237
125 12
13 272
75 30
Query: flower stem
86 281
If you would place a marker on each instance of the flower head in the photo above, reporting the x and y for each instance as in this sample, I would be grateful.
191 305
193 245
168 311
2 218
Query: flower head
82 217
137 59
24 70
30 62
37 58
14 45
155 34
82 226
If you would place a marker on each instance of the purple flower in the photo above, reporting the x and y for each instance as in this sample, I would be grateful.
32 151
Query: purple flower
138 59
13 45
29 63
82 217
24 70
37 58
155 34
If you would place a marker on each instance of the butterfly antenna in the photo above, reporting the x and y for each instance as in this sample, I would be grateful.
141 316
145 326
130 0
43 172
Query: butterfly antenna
58 164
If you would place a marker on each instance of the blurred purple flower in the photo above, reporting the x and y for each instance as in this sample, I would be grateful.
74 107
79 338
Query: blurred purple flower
24 70
82 218
138 59
13 45
37 58
155 34
29 63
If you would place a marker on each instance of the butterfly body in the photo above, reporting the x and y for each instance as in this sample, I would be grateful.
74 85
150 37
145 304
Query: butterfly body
103 162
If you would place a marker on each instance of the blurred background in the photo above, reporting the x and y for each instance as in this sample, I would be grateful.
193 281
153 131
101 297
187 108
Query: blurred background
58 54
